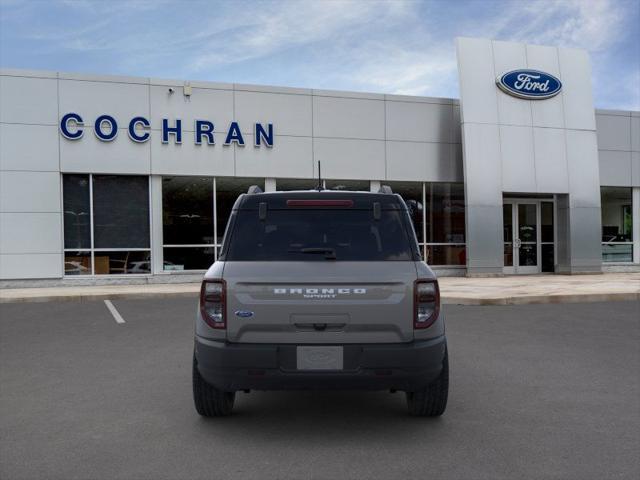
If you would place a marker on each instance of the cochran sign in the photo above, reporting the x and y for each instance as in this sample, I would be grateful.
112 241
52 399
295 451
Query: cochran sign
529 84
105 128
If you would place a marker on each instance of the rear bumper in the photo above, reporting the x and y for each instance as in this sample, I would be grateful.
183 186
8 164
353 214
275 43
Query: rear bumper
403 366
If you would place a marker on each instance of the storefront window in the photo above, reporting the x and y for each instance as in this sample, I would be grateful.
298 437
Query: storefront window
227 192
445 213
77 215
351 185
411 193
187 223
77 262
437 211
445 224
547 235
106 224
120 212
289 184
617 224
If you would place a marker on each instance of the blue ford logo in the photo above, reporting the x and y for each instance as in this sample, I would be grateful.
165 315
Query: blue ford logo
244 313
529 84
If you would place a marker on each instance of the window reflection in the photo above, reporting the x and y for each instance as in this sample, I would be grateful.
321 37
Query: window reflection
187 211
227 192
442 206
445 213
77 215
119 211
617 224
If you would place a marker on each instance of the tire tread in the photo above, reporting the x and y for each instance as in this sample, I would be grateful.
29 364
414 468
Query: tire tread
209 401
432 401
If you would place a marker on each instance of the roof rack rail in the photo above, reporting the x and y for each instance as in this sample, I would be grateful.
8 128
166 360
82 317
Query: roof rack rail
385 189
254 189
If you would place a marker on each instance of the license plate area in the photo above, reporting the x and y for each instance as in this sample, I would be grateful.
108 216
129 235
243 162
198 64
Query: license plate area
319 358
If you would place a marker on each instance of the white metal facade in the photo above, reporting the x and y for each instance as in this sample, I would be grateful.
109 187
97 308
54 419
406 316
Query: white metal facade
510 145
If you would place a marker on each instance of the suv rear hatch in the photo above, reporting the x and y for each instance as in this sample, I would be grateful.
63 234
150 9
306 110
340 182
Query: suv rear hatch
334 268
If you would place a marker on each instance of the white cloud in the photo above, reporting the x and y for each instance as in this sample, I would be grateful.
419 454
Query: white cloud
407 72
590 24
402 46
292 25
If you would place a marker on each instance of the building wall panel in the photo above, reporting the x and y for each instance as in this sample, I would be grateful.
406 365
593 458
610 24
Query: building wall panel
510 56
550 152
29 232
550 112
348 118
29 147
28 100
518 163
291 158
290 114
90 99
615 168
577 90
215 106
121 155
191 159
419 122
350 159
29 192
614 132
30 266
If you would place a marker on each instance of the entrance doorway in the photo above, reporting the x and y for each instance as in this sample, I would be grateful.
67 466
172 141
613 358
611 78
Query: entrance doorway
529 236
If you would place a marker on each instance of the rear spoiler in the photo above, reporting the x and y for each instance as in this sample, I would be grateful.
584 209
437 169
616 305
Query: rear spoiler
253 189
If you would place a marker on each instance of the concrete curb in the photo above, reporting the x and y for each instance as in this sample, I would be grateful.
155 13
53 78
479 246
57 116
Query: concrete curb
446 299
92 297
543 299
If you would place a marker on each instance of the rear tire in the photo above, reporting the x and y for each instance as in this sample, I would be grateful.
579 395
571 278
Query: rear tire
209 401
432 401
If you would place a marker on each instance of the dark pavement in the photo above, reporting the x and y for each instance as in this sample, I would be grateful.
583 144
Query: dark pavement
537 391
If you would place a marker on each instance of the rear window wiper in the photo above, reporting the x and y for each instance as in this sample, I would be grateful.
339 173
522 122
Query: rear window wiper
330 253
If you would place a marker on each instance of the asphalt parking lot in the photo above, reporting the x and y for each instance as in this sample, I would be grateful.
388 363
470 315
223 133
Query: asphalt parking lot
537 391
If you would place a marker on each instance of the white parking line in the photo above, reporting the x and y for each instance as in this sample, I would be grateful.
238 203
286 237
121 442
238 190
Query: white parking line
113 311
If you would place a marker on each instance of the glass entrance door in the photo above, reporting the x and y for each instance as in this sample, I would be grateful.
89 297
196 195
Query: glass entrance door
526 240
523 236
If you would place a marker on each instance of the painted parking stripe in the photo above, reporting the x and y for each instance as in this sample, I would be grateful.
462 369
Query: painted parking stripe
114 312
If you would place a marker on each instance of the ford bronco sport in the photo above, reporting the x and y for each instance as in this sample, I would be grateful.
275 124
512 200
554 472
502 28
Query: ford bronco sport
320 290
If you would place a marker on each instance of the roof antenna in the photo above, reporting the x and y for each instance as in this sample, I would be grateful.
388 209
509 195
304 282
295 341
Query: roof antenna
319 178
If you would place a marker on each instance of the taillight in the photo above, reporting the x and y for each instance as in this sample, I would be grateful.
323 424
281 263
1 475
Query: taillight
426 303
213 303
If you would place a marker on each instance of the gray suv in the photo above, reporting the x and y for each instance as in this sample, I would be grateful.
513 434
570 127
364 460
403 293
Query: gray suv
320 290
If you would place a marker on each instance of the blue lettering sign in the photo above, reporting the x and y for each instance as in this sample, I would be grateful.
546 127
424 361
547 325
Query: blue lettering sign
529 84
139 130
260 134
113 125
204 128
64 126
133 135
234 135
167 130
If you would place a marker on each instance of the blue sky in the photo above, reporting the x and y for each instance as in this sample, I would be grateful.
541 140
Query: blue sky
389 47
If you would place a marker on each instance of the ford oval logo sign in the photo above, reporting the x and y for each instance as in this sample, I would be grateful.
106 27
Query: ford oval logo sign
244 314
529 84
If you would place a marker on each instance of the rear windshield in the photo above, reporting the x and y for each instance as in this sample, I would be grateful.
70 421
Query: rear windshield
319 235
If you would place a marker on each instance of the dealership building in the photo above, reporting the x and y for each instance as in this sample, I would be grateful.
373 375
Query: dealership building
126 179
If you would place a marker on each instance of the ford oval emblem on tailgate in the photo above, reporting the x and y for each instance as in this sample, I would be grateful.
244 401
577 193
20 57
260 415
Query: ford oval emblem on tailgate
244 313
